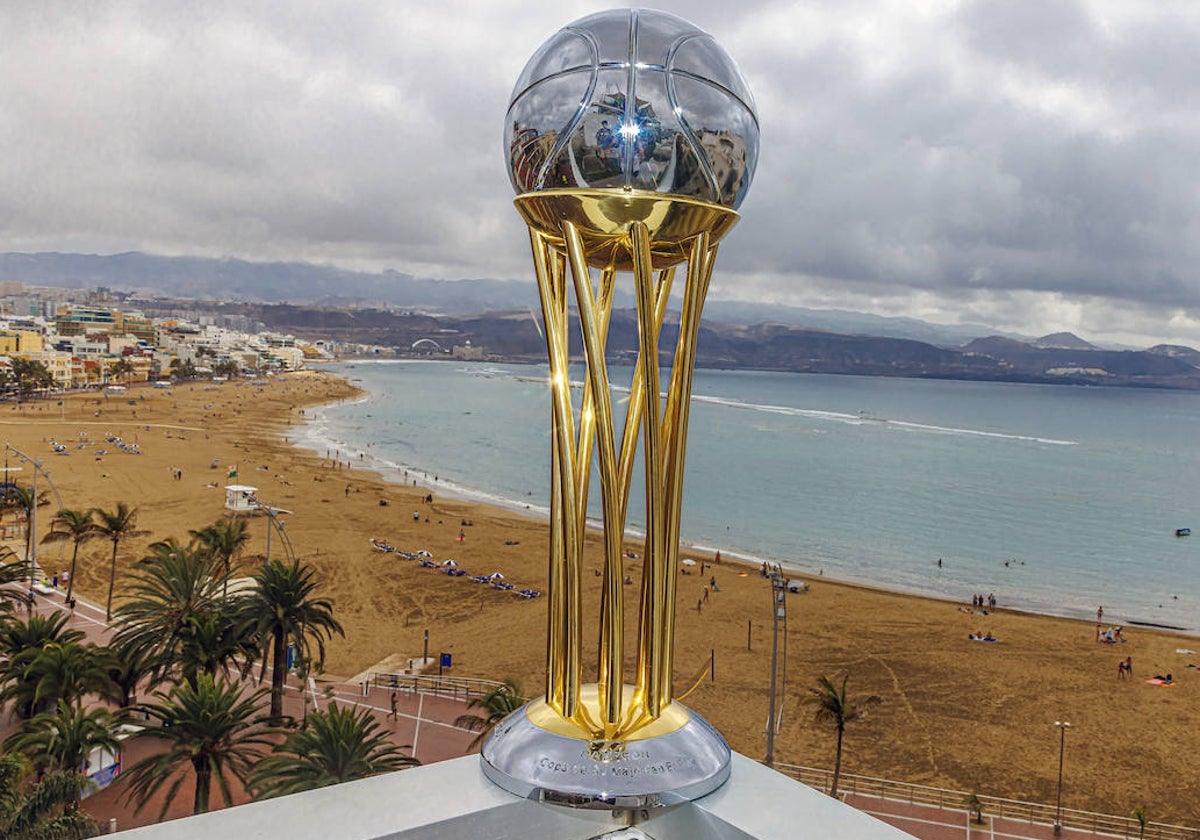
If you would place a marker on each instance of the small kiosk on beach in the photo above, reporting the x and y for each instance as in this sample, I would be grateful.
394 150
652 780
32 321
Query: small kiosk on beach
241 498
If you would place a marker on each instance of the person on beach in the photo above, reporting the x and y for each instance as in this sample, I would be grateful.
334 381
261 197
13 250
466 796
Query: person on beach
1125 668
392 715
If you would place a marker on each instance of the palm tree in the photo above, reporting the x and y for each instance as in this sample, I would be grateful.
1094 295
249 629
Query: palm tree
31 376
339 745
13 570
20 644
497 704
224 539
76 526
127 667
217 642
171 588
284 611
122 367
36 631
115 526
40 677
22 499
1139 814
32 810
63 739
835 708
210 728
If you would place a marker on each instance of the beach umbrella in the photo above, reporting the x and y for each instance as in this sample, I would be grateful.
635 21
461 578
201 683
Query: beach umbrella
450 563
689 562
424 553
495 576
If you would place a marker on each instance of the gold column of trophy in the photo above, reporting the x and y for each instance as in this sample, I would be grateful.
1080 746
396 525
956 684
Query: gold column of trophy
631 139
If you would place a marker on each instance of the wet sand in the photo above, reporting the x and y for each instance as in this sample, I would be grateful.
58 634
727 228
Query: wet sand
956 713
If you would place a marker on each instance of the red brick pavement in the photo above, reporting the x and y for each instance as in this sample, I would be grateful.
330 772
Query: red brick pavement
929 822
424 723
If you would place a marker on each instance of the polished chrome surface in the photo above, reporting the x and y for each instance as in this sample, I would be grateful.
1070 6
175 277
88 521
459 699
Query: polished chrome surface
534 763
633 99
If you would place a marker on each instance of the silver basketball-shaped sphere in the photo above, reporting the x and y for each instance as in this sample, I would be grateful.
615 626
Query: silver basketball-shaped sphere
633 99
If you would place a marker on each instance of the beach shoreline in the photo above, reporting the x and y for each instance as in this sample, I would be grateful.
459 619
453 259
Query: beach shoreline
956 713
320 436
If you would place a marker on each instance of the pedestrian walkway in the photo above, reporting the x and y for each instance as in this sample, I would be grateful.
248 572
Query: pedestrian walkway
424 725
938 814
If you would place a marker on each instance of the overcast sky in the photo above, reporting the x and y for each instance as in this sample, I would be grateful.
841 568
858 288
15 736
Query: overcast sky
1033 165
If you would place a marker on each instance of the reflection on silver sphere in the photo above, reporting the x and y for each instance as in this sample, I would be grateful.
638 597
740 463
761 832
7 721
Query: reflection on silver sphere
633 99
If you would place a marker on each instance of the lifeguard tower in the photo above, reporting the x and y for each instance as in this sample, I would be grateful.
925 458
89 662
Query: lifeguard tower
241 498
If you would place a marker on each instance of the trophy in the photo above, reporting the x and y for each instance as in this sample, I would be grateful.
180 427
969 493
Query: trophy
631 139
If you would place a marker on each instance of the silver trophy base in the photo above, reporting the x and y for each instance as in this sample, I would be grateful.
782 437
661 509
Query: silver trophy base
534 763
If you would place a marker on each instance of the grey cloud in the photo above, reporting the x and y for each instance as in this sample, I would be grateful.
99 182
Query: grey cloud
974 160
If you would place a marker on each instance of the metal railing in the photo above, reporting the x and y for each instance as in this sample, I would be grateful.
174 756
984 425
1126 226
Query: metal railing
994 807
444 685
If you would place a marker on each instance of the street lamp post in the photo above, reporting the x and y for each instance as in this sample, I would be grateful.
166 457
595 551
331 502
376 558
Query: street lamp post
779 610
31 525
1063 726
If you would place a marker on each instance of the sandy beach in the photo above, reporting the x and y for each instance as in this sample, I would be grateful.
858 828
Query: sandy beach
956 713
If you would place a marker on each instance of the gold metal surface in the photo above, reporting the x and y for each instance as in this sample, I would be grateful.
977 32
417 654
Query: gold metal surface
673 717
604 218
647 234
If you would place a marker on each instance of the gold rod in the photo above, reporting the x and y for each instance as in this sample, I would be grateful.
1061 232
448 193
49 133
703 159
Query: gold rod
634 419
650 651
675 430
542 260
637 392
591 324
564 680
584 453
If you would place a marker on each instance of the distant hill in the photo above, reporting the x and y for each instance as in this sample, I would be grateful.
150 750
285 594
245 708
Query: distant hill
517 336
1063 341
317 285
239 280
1176 351
391 309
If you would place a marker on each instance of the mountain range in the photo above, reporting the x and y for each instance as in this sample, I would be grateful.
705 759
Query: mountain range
327 286
391 309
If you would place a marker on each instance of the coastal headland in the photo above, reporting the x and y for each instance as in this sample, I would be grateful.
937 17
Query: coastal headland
956 713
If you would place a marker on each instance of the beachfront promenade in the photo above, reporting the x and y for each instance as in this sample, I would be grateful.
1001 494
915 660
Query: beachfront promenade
939 814
425 722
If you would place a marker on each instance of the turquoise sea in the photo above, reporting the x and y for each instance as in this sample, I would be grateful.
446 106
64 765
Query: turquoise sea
1055 499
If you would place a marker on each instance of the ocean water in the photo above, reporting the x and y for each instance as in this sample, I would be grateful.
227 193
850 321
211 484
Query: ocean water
1055 499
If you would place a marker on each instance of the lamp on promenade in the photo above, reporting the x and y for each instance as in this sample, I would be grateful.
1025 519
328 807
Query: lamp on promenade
1063 726
31 525
778 611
